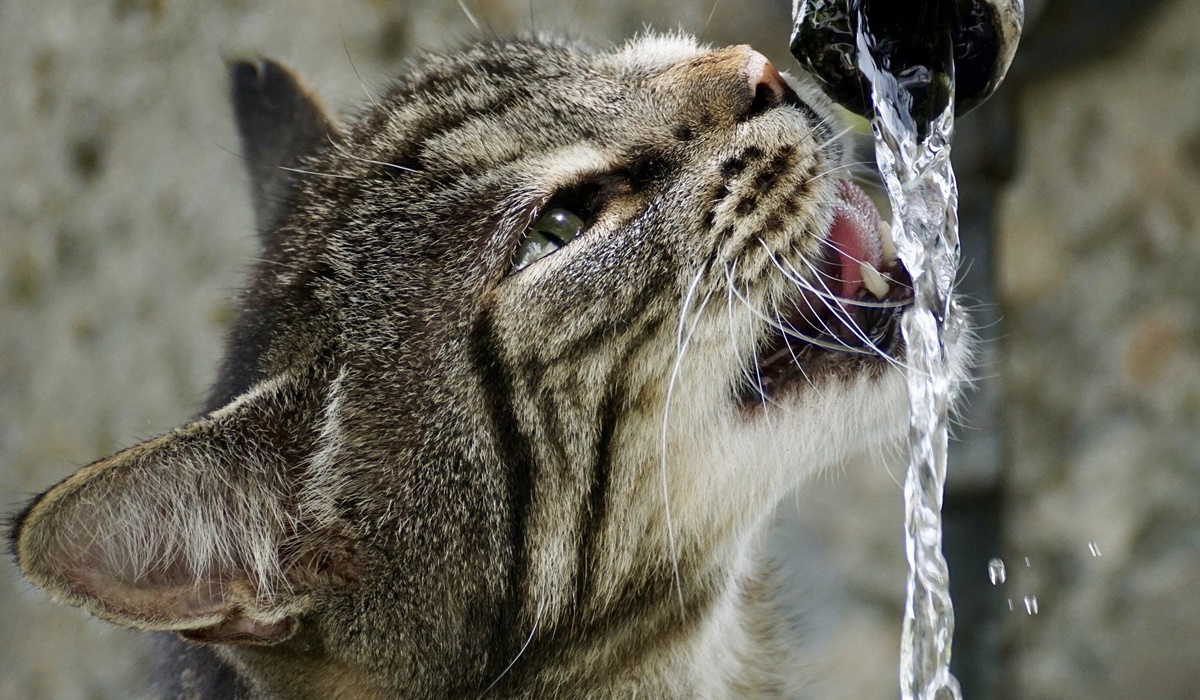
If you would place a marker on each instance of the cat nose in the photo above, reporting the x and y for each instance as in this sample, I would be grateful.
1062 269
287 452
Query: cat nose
767 87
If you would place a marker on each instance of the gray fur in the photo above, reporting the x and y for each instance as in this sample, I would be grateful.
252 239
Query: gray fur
426 476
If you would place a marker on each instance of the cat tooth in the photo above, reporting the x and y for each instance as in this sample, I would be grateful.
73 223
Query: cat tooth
888 244
873 281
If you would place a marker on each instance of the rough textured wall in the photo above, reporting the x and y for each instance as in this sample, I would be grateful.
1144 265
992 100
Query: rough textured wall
1099 248
124 225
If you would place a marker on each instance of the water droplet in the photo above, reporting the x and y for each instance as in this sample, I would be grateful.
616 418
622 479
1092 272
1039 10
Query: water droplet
1031 604
1027 564
1094 549
1010 604
996 571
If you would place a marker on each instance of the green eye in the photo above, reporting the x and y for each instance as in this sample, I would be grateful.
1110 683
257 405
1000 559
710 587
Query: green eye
553 230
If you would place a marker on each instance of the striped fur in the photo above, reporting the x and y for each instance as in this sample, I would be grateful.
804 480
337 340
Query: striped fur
425 475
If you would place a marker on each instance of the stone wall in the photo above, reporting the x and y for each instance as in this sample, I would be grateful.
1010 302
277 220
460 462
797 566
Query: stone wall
124 226
1098 249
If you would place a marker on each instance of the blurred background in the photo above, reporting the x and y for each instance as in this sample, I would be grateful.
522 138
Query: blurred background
125 226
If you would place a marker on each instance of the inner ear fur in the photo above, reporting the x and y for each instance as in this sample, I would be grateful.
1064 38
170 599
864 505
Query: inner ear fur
196 532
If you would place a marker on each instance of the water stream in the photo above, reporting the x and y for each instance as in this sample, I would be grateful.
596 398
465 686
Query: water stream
902 55
913 155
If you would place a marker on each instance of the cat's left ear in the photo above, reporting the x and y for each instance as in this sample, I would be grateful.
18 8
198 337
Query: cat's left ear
201 531
280 121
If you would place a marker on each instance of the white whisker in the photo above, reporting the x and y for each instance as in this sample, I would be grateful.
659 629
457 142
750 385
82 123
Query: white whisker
317 174
536 621
681 344
793 276
800 336
742 365
708 21
471 17
836 137
837 168
851 324
355 69
836 307
755 378
352 156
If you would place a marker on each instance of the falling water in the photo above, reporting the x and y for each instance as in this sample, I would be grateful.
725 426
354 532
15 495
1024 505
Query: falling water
902 56
913 155
996 571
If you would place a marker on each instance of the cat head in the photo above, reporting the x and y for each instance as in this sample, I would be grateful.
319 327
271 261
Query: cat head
535 342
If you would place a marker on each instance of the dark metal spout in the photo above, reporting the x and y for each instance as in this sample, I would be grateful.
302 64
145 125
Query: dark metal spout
915 40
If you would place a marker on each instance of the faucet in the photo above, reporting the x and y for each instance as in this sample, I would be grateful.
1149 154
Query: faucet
920 42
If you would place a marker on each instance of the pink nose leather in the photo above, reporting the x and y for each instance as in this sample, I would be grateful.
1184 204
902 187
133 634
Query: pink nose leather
761 73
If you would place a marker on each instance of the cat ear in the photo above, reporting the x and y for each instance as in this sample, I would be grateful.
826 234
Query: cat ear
194 532
280 122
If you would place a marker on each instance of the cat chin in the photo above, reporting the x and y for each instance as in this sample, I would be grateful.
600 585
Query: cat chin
859 408
768 450
812 428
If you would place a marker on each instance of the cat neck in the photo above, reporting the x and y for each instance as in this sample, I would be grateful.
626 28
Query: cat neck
714 631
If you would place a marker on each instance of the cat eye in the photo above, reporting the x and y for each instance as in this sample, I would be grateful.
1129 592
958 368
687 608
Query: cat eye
553 230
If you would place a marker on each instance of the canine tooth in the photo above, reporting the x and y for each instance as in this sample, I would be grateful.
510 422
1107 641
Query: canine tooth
873 281
889 245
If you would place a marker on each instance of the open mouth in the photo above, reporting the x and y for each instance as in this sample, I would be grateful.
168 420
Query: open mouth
848 314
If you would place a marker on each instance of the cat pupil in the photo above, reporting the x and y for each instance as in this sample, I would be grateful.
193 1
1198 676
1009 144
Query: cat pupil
561 224
553 230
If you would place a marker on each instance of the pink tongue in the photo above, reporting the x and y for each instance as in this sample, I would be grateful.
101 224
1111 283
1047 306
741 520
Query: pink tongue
855 236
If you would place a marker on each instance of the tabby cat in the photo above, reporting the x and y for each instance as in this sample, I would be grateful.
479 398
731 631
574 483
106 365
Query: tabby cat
534 346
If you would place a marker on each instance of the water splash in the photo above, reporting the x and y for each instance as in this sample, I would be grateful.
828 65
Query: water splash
996 573
913 154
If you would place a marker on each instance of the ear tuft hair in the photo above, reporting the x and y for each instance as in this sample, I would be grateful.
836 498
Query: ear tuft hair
195 532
